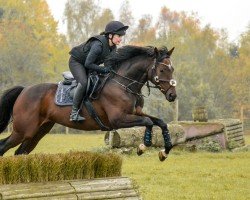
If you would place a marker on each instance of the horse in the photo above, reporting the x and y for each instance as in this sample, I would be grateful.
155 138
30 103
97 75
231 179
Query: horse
33 111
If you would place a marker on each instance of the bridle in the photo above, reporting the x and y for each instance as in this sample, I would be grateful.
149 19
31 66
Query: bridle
126 87
154 76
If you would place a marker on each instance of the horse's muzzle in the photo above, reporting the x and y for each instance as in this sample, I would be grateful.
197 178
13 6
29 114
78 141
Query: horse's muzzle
170 97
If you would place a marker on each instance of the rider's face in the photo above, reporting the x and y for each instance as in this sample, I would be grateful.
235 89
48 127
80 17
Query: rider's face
117 39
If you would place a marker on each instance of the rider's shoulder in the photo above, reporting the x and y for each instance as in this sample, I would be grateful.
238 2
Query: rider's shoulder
95 41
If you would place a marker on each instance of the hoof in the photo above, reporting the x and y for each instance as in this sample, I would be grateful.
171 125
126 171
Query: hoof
141 149
162 155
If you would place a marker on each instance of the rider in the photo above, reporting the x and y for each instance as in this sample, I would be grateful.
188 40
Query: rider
88 56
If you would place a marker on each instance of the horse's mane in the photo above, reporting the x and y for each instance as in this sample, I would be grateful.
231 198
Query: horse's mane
129 51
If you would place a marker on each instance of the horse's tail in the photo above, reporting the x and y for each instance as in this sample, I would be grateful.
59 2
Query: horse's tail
7 102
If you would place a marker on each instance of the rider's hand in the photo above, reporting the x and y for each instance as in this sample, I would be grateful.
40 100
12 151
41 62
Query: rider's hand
105 70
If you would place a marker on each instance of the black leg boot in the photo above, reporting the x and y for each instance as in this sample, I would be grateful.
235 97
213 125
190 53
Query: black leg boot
77 100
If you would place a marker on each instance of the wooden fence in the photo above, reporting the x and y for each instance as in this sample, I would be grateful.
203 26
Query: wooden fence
108 188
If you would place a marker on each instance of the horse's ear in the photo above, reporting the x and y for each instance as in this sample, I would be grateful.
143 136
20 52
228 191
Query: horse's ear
170 51
156 52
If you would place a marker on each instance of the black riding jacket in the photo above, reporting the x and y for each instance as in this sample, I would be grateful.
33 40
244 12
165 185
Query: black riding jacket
93 52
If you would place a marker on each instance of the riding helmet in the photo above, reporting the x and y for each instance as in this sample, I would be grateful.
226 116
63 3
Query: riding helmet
116 27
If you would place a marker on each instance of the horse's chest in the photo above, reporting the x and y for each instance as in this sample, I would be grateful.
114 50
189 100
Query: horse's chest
128 106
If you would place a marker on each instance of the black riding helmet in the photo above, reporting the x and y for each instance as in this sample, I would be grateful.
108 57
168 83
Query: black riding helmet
116 27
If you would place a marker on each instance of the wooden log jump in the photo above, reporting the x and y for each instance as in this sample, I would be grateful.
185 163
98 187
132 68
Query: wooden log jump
132 137
228 133
108 188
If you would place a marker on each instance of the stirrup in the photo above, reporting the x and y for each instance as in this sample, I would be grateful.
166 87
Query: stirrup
76 117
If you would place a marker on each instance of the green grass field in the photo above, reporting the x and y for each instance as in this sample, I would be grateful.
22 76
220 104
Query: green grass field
184 175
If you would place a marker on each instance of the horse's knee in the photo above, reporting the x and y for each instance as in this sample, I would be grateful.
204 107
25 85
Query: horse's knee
148 121
162 124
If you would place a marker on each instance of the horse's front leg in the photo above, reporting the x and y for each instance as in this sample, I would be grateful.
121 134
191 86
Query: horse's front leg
147 141
131 120
148 137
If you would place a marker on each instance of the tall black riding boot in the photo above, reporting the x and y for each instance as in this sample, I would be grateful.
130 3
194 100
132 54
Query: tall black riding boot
77 100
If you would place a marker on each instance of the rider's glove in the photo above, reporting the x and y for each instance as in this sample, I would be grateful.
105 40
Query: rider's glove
105 70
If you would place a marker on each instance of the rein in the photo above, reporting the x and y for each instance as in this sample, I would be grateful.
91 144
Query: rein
126 87
155 77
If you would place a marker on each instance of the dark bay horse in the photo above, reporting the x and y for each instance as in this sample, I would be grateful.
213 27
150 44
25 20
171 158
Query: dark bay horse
34 112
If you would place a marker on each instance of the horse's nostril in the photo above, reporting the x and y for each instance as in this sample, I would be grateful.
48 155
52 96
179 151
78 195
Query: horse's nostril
172 96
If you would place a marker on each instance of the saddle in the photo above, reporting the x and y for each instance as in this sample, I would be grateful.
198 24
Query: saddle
66 88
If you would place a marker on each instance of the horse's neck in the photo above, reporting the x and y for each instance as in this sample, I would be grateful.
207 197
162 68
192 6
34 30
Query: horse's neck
134 71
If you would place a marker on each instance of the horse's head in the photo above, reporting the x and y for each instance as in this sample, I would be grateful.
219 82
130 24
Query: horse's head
161 74
134 66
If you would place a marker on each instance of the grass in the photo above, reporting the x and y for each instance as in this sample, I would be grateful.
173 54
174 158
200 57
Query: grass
191 175
183 175
62 143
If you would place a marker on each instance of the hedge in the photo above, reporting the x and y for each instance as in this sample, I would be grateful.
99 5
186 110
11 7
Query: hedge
54 167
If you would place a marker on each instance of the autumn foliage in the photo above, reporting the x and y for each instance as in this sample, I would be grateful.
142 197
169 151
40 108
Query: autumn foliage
210 71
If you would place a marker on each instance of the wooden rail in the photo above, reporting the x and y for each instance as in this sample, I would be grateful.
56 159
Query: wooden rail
108 188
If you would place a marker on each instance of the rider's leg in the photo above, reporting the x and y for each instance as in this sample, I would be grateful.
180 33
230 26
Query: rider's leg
79 73
77 100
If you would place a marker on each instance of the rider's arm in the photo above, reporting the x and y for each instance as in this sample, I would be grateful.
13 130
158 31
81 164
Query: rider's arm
94 52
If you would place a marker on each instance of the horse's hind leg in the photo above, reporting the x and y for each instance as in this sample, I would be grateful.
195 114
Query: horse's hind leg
13 140
2 145
22 130
28 145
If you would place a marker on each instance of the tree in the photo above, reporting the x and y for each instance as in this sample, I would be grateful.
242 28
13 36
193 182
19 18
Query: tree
145 32
30 43
19 53
210 71
84 19
127 18
105 17
195 47
240 67
80 17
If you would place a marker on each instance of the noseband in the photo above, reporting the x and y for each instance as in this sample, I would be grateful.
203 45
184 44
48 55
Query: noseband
155 77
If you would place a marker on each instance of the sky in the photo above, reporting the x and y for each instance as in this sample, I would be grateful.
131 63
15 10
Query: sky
232 15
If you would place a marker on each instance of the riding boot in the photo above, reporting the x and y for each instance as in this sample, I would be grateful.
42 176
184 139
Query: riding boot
77 100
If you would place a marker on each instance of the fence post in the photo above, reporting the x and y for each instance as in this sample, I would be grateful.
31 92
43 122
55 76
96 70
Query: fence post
8 128
176 110
111 135
242 113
